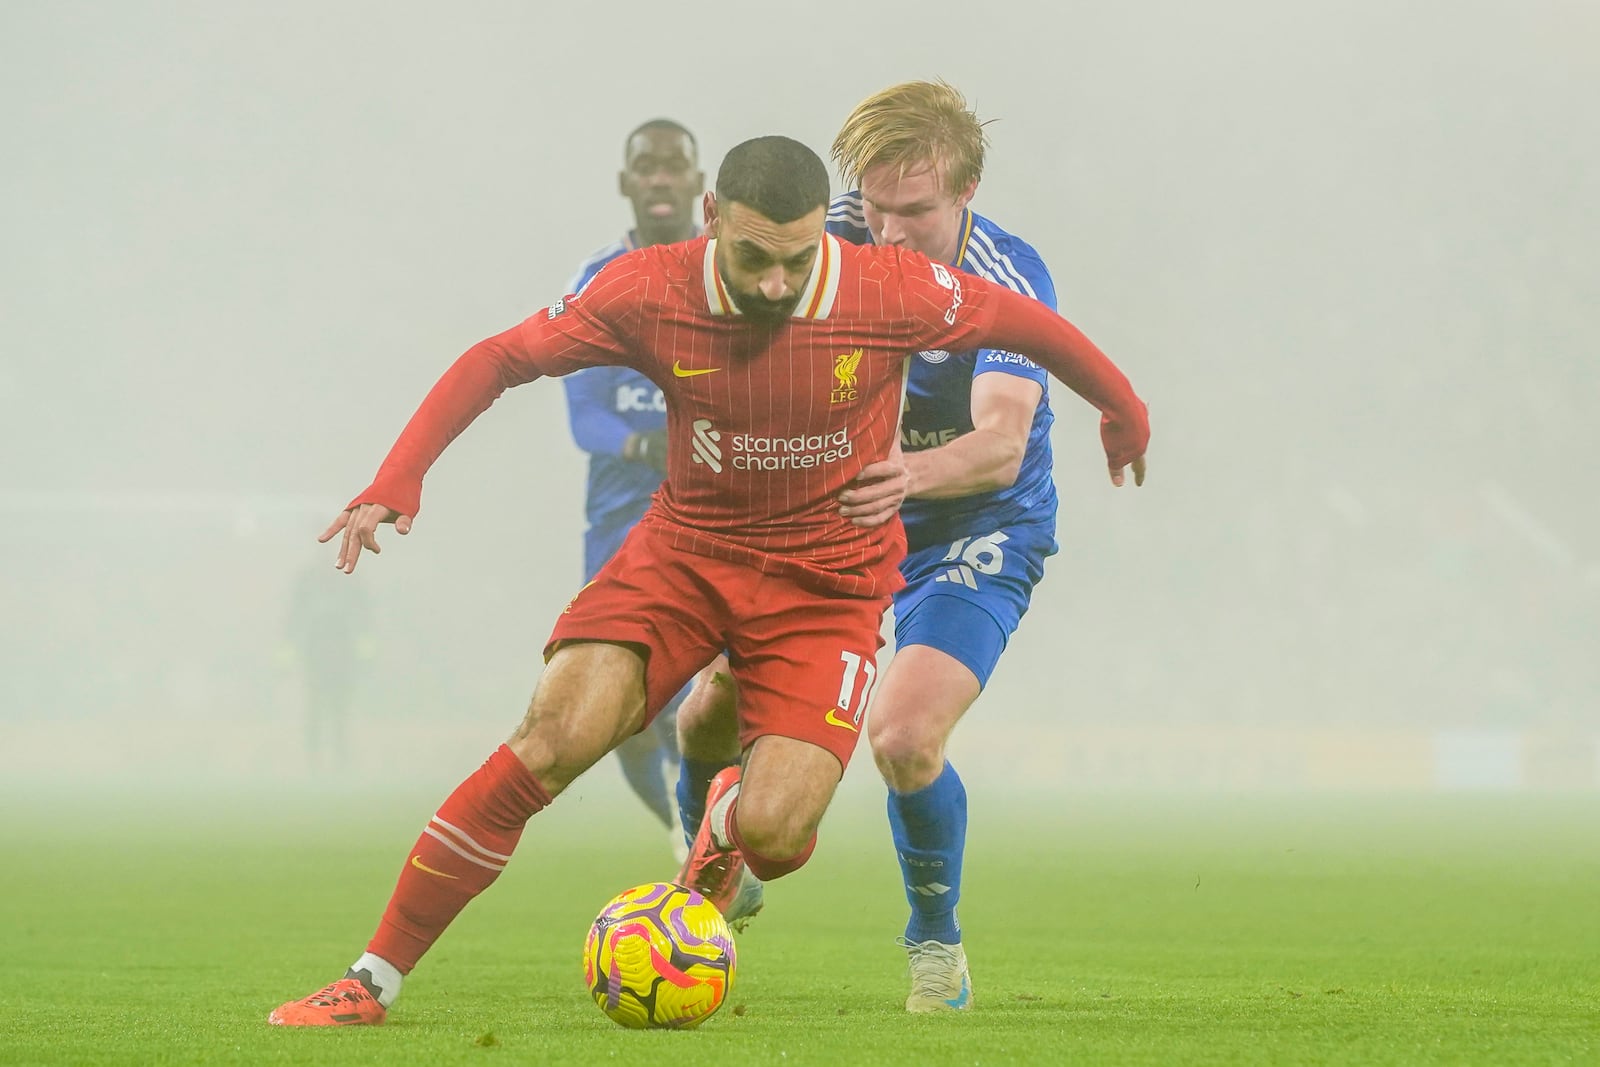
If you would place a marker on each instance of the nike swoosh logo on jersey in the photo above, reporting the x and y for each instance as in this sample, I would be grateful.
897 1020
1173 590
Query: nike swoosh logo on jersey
833 720
416 861
679 371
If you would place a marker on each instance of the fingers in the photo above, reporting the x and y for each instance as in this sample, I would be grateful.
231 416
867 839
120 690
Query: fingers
339 523
868 520
350 548
361 532
360 526
875 494
1118 478
367 530
873 502
879 471
858 496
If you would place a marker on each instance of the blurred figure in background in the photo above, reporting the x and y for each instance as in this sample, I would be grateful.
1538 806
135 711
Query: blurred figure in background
328 642
619 416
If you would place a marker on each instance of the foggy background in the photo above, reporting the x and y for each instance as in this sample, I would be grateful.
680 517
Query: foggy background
1346 250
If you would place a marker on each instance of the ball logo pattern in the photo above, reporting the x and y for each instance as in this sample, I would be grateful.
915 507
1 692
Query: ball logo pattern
659 956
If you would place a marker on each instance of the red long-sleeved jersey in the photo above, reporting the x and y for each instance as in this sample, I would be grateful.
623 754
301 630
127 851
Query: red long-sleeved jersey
767 423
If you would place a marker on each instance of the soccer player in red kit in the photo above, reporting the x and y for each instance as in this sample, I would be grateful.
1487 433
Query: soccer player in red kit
781 352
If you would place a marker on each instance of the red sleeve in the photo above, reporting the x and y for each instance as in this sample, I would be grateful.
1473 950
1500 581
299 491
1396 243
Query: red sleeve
944 310
958 311
1020 324
572 333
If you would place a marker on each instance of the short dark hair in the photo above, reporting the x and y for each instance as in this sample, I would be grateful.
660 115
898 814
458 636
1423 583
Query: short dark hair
660 124
777 176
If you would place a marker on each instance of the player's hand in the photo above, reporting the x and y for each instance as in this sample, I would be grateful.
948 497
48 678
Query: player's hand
1118 476
876 493
648 447
1125 433
360 525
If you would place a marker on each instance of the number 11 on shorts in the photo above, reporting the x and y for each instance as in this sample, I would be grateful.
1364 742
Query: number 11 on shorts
849 699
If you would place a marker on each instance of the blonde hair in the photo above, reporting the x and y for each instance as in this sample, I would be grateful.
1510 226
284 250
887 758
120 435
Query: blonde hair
912 123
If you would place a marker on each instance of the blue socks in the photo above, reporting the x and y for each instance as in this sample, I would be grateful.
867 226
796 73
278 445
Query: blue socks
694 778
930 832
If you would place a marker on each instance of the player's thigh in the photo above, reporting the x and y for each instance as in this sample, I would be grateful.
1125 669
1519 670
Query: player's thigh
589 699
924 692
786 787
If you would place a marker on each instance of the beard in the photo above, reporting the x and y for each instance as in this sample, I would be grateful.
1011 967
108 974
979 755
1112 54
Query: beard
757 307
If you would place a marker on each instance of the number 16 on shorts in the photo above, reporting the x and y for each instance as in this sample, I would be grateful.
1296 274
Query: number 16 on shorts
973 556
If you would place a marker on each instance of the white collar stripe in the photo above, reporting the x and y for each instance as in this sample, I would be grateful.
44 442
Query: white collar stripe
979 263
713 284
816 299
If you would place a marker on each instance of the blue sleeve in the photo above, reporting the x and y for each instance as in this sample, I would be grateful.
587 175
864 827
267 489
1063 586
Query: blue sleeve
595 426
993 359
584 276
846 220
1044 287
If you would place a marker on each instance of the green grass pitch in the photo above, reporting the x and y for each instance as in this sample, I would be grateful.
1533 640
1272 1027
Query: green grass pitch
1101 929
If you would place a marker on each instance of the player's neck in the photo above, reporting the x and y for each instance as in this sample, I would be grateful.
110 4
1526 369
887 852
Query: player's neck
950 251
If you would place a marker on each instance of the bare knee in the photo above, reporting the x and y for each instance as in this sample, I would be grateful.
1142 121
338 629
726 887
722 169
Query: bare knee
775 827
787 786
908 752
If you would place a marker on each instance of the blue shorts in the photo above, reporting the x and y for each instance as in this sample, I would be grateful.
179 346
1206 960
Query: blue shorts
967 597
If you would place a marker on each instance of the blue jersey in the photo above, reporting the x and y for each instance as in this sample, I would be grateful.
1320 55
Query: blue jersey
939 389
605 405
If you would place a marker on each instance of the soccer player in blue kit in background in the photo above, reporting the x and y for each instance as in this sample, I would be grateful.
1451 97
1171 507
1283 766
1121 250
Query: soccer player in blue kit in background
980 518
619 417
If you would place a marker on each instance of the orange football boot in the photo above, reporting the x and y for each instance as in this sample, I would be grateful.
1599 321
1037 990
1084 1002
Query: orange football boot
343 1003
716 873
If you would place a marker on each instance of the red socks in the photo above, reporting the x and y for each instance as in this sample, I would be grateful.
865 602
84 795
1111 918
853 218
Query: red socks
462 850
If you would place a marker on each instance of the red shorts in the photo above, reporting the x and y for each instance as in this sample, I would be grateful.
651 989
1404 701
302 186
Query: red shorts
805 662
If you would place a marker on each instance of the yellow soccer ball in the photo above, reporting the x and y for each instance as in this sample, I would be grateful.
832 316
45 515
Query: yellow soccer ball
659 956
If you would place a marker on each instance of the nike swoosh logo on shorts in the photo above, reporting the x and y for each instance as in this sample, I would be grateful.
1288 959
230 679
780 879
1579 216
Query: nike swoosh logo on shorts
680 371
833 720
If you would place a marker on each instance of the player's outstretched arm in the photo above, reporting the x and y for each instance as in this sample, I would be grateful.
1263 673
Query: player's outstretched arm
360 527
570 334
461 394
464 392
563 338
